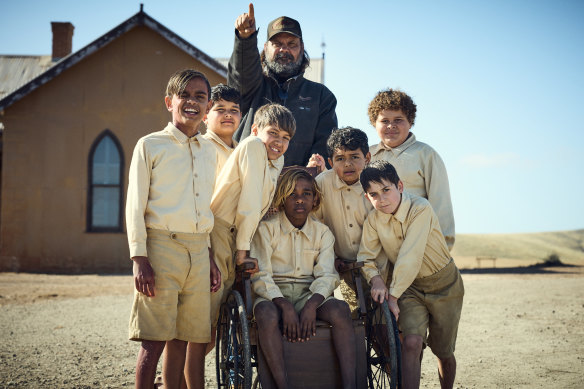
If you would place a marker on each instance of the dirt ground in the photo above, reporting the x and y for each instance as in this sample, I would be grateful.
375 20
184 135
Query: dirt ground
520 328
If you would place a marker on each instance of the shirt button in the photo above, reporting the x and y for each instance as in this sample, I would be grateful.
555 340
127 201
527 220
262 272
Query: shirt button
196 175
196 194
348 207
173 236
348 189
297 268
350 225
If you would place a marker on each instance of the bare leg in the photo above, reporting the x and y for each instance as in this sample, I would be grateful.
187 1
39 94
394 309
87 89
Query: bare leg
195 365
338 314
270 336
173 363
148 357
211 344
411 351
447 372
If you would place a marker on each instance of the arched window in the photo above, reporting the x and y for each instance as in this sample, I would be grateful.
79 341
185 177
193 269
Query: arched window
106 164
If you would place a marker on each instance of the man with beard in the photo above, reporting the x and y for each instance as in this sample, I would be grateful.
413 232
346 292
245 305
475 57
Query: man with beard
277 76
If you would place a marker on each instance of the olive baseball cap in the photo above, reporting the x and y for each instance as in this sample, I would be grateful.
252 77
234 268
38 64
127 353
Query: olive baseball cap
284 24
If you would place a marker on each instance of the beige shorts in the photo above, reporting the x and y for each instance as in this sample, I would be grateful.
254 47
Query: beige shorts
181 307
433 304
295 292
223 245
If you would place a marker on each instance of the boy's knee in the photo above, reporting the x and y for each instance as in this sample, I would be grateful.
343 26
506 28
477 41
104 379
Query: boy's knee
266 315
339 311
413 343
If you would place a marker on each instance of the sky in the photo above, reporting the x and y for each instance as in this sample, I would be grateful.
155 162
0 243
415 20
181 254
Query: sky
499 84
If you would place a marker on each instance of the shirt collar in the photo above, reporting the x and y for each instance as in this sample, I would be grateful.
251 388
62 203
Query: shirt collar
179 135
340 184
287 227
409 141
212 136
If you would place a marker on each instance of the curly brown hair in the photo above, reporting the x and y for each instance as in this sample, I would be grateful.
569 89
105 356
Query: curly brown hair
392 99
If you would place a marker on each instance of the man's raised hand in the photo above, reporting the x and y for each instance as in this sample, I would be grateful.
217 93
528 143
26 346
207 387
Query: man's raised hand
245 23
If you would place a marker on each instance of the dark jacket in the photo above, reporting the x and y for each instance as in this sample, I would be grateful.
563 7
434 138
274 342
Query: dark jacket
312 104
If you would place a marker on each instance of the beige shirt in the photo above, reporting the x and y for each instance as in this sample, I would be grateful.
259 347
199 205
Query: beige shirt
223 151
423 173
245 188
411 239
170 186
343 209
288 254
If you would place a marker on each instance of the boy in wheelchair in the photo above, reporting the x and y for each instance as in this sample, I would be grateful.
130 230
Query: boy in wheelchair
296 279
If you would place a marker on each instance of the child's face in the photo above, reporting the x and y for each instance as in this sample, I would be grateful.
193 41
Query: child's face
348 164
189 109
276 140
392 127
385 196
298 205
223 118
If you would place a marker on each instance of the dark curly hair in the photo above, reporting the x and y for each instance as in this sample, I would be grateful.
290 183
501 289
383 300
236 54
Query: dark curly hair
392 99
347 138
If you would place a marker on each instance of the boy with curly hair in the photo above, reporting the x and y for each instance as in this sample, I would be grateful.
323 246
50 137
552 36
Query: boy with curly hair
393 113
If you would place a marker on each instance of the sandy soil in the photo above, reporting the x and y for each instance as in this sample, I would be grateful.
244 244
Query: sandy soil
520 328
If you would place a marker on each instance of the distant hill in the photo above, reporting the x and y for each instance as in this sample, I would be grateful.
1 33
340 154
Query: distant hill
569 245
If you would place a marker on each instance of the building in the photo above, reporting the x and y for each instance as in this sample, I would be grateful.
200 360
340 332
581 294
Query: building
69 126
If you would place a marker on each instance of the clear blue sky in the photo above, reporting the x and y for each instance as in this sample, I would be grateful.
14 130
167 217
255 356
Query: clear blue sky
499 84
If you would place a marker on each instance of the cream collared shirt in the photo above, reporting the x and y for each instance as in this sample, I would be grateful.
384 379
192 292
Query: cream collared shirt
170 186
223 151
245 188
411 239
424 174
343 209
288 254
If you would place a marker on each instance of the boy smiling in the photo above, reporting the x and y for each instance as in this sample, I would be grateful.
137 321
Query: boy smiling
244 191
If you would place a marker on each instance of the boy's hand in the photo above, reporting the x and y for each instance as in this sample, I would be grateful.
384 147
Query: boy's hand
379 292
290 322
143 276
316 160
242 256
245 23
308 317
215 273
393 307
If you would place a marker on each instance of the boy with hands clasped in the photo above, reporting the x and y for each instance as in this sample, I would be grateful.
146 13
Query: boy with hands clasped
296 279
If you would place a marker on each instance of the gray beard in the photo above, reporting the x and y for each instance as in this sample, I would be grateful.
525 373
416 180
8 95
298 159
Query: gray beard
284 71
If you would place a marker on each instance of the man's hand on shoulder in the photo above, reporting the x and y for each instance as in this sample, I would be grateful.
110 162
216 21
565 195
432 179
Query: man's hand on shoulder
143 276
245 23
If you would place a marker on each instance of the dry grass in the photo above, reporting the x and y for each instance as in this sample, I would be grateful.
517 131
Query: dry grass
524 249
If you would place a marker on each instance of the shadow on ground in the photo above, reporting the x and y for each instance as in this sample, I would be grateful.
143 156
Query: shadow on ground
533 269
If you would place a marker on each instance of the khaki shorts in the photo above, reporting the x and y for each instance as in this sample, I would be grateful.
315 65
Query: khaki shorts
223 245
295 292
181 307
433 304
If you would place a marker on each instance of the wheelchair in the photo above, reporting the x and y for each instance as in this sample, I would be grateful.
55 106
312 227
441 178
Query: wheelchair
239 359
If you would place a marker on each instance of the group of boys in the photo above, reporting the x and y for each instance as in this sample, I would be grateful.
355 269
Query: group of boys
194 210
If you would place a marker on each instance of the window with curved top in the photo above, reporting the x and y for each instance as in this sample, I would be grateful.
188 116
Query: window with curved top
106 164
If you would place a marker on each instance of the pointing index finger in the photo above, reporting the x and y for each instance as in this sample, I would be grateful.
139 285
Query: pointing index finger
250 13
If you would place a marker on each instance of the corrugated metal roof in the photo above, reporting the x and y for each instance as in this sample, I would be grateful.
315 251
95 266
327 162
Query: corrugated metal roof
17 70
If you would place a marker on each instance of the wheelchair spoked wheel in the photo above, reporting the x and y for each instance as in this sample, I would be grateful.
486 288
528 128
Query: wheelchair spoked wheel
233 349
383 349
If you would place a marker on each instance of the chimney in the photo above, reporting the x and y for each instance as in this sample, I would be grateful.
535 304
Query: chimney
62 39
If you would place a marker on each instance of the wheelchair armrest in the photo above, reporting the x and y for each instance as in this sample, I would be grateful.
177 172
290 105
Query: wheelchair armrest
246 286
